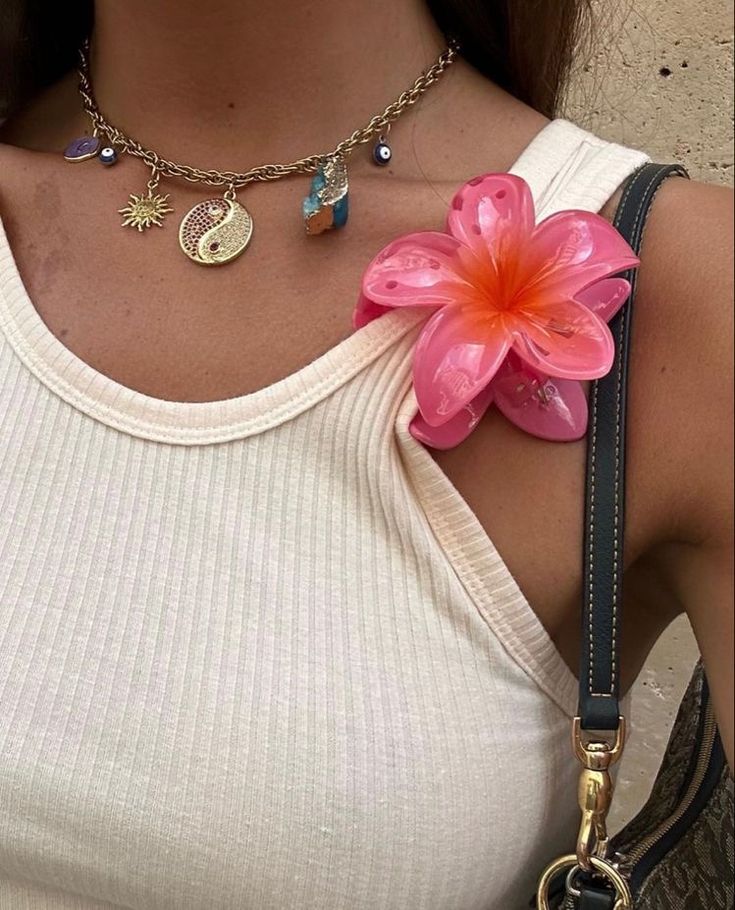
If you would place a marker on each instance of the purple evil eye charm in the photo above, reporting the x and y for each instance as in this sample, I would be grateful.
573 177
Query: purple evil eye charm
82 149
108 155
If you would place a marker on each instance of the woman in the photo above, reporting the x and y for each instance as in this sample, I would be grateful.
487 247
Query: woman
260 646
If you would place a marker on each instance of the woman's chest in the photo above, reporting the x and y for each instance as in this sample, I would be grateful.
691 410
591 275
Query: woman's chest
154 322
224 690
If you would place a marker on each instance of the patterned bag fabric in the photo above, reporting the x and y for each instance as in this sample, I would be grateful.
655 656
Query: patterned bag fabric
687 823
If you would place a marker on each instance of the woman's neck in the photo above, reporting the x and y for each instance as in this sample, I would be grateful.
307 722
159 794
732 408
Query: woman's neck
254 80
249 83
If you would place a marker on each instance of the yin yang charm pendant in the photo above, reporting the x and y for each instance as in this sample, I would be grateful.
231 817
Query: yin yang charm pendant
216 231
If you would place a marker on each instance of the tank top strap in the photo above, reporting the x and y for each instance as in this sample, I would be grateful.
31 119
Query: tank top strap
568 167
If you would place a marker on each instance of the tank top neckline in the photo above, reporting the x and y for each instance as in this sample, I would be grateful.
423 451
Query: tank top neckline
195 423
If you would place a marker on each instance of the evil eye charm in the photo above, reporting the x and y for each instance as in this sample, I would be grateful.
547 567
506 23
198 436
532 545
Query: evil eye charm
107 155
382 153
82 149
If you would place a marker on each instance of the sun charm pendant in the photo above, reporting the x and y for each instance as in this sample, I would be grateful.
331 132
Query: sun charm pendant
143 211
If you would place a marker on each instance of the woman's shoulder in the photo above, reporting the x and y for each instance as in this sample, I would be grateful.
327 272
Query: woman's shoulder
681 346
683 424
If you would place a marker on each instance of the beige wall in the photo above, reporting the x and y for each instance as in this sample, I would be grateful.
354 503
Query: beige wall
661 81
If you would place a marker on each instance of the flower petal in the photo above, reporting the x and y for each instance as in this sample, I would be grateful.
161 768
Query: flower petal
565 339
554 409
490 212
458 428
605 297
420 269
456 355
570 250
365 311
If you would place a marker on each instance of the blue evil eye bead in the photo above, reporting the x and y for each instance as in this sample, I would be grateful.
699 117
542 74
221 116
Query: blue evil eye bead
82 149
108 155
382 153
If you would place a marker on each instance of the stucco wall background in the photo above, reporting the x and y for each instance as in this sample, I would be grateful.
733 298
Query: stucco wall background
660 79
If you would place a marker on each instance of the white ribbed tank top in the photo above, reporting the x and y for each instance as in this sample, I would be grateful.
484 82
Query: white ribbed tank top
259 653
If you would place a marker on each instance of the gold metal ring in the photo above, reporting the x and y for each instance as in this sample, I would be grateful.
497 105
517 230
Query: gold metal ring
602 867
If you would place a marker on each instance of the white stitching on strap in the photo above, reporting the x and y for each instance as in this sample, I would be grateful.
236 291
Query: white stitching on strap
625 316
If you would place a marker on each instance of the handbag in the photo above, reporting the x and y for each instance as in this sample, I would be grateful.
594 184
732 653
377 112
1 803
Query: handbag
678 852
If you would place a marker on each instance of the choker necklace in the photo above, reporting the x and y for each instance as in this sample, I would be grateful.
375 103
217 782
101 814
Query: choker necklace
218 229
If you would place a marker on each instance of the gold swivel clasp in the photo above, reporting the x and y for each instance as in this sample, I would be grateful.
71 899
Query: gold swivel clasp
595 795
595 790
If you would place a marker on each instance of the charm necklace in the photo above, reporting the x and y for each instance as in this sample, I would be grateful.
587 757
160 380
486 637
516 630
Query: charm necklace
218 229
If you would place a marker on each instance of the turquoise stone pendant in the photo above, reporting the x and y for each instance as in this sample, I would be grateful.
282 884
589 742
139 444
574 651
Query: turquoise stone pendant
326 205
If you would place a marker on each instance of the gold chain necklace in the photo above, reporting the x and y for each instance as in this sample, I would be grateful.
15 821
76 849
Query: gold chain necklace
217 230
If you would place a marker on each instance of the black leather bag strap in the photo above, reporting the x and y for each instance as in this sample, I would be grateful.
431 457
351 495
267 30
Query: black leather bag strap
597 899
599 680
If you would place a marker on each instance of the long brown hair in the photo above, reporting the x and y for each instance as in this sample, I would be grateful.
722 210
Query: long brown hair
524 46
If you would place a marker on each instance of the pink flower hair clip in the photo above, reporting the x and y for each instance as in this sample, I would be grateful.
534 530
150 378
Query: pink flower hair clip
521 311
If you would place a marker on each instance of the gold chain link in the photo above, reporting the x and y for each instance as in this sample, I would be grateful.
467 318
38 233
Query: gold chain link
162 167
